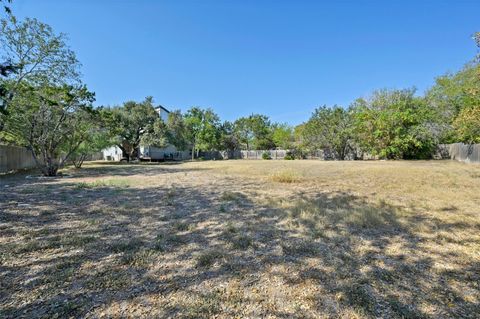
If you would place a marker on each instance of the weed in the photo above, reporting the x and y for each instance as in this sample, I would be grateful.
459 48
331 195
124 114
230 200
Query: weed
126 246
208 258
164 242
231 196
242 241
302 247
141 258
183 226
170 196
286 176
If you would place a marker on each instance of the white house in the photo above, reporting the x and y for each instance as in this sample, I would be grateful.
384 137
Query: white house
146 152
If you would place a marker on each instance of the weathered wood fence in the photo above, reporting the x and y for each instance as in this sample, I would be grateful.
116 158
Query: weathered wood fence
469 153
14 158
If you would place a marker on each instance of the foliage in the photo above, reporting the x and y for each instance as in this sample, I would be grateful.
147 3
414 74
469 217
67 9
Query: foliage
40 55
48 107
329 128
228 138
134 123
156 135
254 132
33 54
202 129
95 141
266 156
394 124
289 156
467 125
282 136
177 130
51 121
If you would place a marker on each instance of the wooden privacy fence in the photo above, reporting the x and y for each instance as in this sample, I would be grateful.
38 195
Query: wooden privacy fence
14 158
469 153
254 155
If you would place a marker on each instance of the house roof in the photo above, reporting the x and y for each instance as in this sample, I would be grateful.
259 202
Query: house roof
161 107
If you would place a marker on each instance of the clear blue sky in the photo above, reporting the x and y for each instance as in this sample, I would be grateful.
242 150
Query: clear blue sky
280 58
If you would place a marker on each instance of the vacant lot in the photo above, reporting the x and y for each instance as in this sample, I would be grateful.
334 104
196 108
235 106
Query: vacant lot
226 239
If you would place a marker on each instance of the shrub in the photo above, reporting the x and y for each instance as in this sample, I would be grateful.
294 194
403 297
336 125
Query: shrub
266 156
289 156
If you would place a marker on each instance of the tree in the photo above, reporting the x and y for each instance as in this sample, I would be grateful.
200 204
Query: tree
96 140
39 55
450 94
134 123
33 54
202 127
254 132
282 136
244 131
394 124
51 121
177 130
329 128
48 107
6 67
156 135
467 125
228 139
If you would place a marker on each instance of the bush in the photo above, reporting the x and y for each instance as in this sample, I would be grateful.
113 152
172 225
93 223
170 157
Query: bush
266 156
289 156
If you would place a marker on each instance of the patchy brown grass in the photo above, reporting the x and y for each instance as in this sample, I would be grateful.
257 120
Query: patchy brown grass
285 176
393 239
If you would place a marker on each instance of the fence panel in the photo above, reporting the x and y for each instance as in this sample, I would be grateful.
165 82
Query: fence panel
469 153
14 158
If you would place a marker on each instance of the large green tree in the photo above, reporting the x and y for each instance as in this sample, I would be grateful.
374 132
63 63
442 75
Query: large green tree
228 139
282 136
40 55
134 123
394 124
329 128
47 108
450 95
202 129
254 132
35 55
52 121
177 133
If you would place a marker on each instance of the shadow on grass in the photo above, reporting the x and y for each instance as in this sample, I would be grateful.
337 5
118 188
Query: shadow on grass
76 251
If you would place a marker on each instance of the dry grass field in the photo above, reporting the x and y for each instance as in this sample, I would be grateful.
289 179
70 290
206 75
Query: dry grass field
243 239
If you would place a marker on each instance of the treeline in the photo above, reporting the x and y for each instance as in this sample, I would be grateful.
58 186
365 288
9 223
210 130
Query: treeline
390 124
45 106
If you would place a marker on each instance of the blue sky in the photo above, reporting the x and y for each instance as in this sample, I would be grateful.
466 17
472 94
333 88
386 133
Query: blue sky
279 58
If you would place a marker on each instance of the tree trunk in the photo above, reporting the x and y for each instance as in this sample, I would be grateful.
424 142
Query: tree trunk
78 162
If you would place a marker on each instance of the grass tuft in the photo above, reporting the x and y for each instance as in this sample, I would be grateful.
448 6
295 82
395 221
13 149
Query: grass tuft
209 257
114 183
286 176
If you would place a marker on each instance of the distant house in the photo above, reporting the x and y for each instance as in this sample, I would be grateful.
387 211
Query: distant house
162 112
146 152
